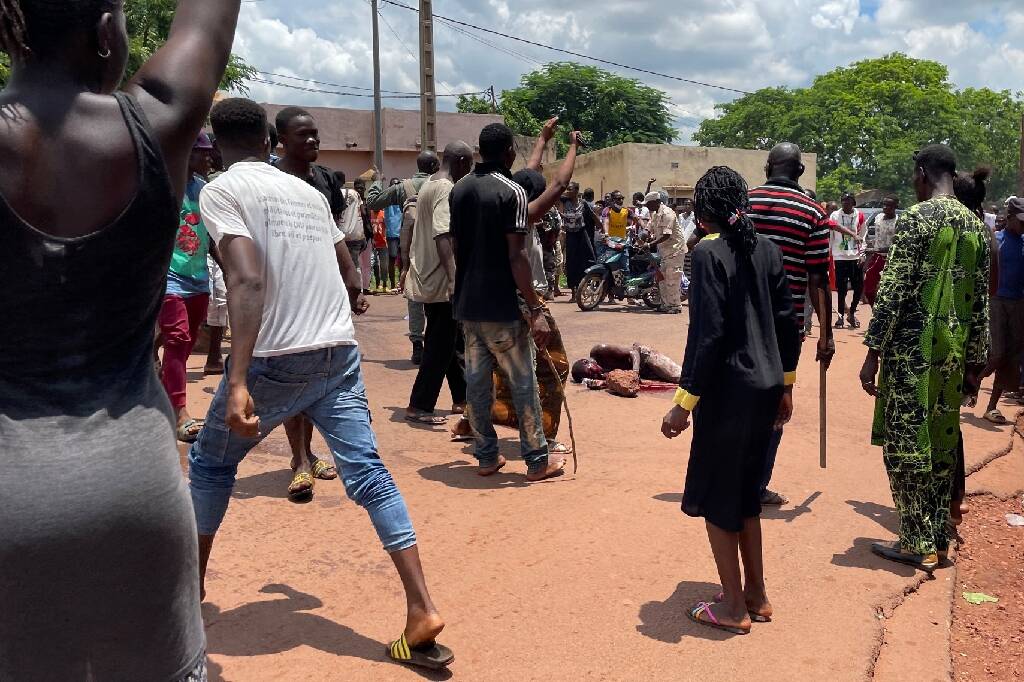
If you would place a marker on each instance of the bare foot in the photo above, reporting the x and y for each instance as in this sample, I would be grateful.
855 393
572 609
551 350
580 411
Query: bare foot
422 627
555 467
491 470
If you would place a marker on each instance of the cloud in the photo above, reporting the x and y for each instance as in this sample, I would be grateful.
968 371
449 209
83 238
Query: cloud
743 44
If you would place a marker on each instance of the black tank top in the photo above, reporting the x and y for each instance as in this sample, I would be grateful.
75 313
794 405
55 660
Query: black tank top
79 313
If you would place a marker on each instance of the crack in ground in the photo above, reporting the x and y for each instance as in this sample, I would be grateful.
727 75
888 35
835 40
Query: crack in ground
885 610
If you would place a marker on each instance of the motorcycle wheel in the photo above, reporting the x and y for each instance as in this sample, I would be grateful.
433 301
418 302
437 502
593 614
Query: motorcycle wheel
590 292
652 298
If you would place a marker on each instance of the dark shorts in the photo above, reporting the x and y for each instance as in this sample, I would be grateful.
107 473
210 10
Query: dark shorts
1007 327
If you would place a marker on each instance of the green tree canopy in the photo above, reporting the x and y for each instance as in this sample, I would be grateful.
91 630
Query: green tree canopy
611 109
866 120
149 24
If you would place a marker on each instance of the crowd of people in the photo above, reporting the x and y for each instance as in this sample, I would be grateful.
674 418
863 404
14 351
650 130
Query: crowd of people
240 226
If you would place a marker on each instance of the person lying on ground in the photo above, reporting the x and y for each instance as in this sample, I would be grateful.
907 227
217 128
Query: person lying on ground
648 363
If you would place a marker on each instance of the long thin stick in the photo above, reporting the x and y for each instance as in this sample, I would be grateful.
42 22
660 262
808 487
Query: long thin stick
822 394
822 421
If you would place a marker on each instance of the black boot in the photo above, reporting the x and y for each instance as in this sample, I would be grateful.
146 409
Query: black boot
417 352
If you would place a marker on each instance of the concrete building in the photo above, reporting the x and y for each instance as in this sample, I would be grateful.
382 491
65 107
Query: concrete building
675 169
347 144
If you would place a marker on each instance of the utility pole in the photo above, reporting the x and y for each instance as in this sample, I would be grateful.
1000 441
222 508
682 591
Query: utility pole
1020 175
378 114
428 96
494 100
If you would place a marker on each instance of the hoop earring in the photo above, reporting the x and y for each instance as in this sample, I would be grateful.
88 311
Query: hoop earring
104 55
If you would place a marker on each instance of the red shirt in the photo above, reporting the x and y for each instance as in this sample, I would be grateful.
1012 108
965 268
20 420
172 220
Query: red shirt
380 230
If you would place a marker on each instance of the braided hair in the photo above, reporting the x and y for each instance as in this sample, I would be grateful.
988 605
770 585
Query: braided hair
721 197
34 25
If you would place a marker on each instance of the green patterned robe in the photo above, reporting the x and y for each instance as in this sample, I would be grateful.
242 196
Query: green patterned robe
929 321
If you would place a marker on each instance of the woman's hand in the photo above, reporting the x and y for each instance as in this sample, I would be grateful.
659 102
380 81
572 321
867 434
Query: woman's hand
785 412
675 422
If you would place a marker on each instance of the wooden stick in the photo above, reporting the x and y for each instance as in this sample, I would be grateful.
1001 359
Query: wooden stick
822 393
822 421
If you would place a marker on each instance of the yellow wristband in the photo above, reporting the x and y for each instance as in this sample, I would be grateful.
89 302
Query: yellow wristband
685 399
789 378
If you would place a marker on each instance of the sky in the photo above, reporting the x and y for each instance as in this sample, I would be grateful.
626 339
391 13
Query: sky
741 44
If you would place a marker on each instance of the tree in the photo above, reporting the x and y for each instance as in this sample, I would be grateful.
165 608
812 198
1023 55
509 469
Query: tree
866 120
611 109
149 24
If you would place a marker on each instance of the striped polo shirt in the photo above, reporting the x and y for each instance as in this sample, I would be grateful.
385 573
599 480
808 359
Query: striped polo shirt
782 212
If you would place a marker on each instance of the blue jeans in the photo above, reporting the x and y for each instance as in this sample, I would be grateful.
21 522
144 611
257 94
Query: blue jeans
508 346
769 460
327 386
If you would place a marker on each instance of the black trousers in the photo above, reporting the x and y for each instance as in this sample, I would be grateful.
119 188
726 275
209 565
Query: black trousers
443 357
849 275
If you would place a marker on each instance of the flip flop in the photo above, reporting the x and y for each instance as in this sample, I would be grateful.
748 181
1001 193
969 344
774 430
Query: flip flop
324 471
893 552
216 370
429 655
424 418
556 448
296 494
754 615
996 417
459 408
182 432
703 607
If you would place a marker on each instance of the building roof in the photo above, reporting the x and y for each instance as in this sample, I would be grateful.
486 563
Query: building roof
352 129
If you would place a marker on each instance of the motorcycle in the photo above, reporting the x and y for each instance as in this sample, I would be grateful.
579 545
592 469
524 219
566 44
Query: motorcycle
622 272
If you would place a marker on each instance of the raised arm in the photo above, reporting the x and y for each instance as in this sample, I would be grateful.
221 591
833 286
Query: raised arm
546 133
175 86
556 188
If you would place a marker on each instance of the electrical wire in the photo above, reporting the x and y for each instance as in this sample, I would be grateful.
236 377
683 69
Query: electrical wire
357 94
574 54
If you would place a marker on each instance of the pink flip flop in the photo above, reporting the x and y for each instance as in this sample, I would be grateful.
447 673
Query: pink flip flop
694 614
754 616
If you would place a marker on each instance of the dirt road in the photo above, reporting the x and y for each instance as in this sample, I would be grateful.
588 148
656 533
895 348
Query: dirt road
582 577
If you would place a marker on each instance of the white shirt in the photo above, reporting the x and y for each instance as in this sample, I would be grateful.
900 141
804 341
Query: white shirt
305 305
844 247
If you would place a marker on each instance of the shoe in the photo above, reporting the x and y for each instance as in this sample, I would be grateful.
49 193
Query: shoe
840 323
854 323
417 352
893 552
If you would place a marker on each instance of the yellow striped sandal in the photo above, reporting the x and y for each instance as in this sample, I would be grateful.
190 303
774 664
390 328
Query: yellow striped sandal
430 655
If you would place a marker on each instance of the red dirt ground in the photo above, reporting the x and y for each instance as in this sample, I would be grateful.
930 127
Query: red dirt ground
988 640
583 577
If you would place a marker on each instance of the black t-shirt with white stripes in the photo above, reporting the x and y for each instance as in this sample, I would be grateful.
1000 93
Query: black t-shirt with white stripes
486 206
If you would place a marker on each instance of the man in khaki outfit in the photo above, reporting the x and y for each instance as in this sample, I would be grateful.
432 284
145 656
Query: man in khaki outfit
668 236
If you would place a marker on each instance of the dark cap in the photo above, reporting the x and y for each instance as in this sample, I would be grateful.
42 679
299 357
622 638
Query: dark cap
1015 206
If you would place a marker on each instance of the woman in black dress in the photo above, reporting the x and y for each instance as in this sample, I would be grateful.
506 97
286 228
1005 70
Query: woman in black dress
579 225
741 354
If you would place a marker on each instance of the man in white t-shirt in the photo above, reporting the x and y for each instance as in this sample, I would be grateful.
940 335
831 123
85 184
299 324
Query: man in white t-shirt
847 252
294 351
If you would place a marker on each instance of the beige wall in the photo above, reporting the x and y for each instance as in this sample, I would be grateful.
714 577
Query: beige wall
628 167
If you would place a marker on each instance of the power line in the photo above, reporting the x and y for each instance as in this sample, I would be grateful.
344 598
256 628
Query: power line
511 53
334 85
415 58
356 94
574 54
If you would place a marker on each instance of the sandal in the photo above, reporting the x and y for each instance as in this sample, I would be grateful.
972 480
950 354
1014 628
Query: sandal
894 552
771 498
754 615
213 370
185 434
424 418
324 471
457 436
703 607
429 655
854 323
459 408
996 417
301 487
839 323
556 448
